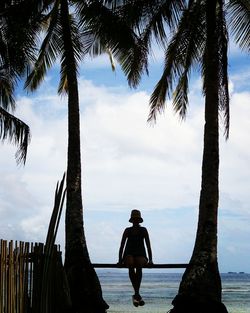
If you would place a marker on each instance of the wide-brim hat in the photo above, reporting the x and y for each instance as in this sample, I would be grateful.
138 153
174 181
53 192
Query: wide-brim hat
135 215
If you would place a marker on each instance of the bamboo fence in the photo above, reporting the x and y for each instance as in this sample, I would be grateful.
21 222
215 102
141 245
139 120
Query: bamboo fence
21 278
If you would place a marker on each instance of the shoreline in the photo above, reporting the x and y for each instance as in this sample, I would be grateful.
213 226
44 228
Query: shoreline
159 289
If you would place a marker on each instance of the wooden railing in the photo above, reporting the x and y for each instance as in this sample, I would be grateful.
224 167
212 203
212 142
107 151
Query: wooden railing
22 283
115 265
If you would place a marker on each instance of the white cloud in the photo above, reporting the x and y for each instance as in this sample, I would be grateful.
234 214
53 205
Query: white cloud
126 164
235 155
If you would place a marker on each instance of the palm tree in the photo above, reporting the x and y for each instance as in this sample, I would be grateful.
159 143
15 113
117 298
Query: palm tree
71 29
62 39
200 40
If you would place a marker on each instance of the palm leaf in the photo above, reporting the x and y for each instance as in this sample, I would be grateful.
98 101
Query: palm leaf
239 20
112 32
184 51
16 132
223 69
20 23
180 95
7 86
188 55
49 50
148 19
77 50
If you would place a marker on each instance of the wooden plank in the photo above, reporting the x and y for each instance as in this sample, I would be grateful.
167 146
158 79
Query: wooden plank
2 276
16 277
10 278
25 307
31 271
5 285
21 275
38 263
114 265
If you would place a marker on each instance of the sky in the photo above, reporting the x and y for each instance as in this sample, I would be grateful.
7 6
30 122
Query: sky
128 163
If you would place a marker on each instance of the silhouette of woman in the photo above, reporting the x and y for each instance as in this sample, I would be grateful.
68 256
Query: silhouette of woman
134 254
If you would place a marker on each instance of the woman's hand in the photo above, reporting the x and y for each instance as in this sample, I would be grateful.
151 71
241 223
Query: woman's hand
150 263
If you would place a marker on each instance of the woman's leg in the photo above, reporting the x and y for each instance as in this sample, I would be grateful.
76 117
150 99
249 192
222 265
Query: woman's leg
132 276
139 263
129 262
138 278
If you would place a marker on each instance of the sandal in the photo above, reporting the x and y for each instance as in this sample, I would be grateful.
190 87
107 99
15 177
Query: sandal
135 301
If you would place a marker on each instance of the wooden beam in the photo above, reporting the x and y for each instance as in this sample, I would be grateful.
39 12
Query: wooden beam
114 265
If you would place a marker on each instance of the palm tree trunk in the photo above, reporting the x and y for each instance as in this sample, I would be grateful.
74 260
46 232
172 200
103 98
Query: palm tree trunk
85 289
200 289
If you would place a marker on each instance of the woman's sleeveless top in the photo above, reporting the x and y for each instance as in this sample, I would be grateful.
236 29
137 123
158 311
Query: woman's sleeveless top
135 242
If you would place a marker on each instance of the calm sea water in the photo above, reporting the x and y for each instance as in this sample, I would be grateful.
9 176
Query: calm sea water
158 290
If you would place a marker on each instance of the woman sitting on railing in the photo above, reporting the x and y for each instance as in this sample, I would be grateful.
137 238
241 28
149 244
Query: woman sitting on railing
134 255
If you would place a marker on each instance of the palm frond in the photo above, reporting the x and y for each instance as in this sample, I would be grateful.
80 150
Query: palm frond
180 95
63 83
22 26
189 54
77 49
16 131
184 51
7 86
158 97
94 48
111 59
75 30
159 15
50 48
150 14
223 70
92 44
17 46
113 32
239 20
148 19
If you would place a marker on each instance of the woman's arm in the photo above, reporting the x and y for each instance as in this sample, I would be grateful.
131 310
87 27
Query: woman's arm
147 240
124 238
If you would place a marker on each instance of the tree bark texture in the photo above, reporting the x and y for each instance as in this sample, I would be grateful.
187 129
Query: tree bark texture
200 288
85 288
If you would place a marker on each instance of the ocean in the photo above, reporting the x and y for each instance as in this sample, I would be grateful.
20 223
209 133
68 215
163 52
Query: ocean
159 288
